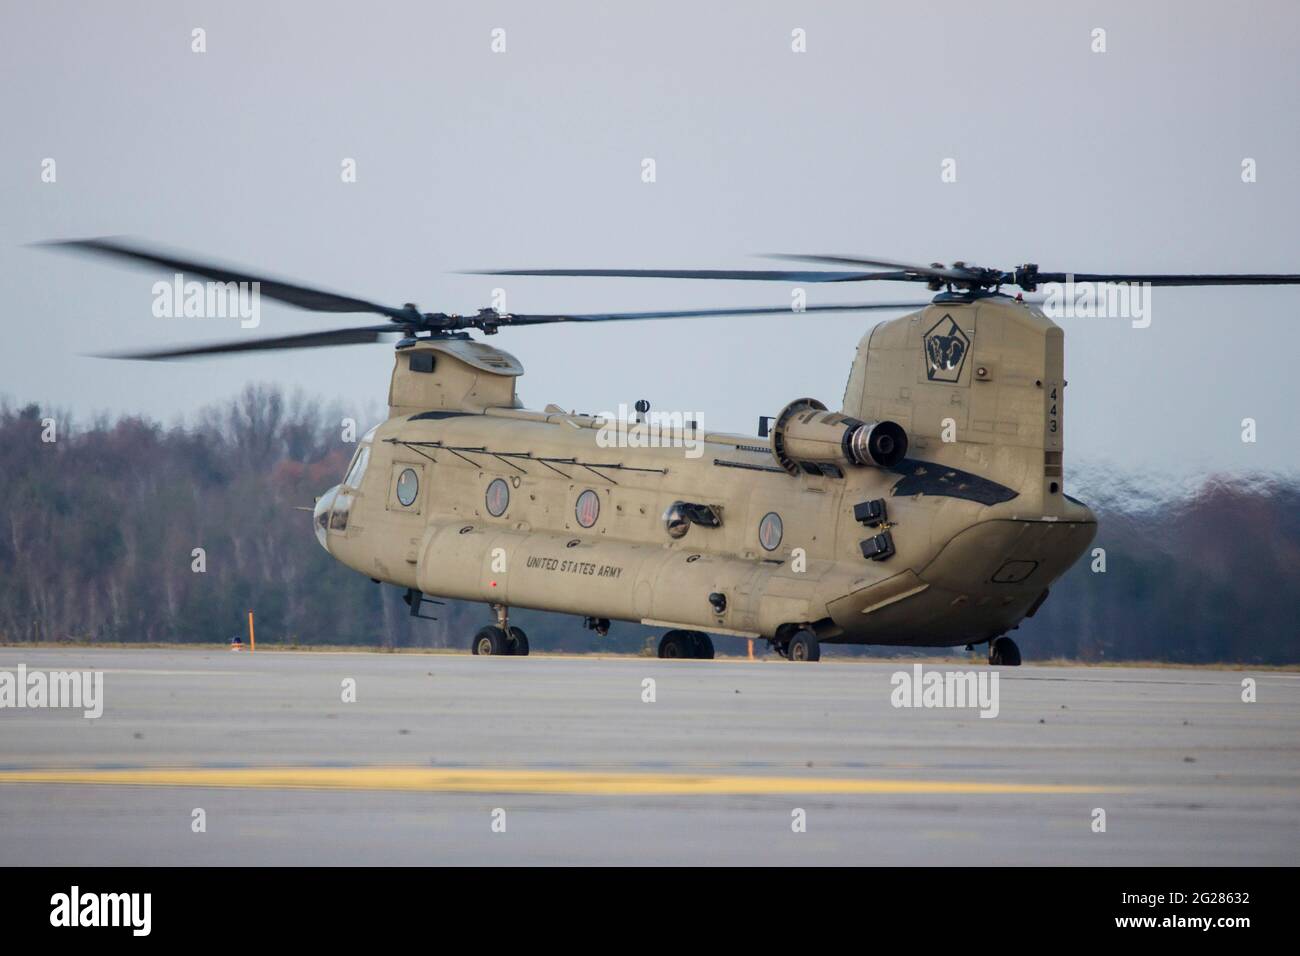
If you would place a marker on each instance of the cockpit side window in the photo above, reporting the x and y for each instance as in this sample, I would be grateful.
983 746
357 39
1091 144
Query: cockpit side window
339 514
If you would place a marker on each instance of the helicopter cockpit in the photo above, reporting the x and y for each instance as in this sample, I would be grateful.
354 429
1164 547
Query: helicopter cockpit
334 506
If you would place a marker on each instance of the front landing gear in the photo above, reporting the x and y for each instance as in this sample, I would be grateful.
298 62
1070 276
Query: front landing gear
692 644
500 638
1004 652
491 640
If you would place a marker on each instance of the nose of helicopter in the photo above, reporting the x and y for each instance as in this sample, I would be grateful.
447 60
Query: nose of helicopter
320 516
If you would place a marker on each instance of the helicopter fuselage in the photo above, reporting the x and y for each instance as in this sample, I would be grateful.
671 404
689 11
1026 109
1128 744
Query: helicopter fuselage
462 494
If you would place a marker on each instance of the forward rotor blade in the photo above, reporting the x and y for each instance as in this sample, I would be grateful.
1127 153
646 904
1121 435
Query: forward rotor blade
304 297
1167 279
357 336
763 275
533 319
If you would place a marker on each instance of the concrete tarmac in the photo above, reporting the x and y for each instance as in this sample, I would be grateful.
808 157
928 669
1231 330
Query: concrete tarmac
586 771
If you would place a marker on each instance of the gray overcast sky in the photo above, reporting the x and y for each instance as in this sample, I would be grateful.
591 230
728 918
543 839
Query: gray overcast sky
1127 160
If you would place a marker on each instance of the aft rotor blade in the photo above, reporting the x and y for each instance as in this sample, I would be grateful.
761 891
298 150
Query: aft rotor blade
1173 279
533 319
304 297
761 275
357 336
954 274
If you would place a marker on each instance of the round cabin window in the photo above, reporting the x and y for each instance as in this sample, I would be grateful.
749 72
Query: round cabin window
498 497
769 531
408 486
675 521
588 508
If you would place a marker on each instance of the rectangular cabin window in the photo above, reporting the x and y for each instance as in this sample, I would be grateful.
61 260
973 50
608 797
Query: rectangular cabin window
421 362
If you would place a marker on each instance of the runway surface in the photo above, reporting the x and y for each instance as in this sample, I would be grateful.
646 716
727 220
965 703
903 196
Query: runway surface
564 752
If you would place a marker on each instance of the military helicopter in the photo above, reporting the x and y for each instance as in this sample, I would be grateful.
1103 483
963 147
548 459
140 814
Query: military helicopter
928 510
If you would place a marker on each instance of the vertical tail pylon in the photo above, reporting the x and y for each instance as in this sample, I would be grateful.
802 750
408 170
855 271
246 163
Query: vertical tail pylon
979 385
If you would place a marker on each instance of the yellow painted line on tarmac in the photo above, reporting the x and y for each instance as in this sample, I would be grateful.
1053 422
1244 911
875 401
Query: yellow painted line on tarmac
486 780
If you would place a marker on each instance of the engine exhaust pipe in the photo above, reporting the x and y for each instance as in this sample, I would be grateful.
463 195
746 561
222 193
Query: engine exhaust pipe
806 434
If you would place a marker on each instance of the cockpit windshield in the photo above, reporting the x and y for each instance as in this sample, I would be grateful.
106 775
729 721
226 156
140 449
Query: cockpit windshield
358 469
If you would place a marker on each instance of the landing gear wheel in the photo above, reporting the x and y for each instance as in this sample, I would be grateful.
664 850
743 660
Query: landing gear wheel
1004 652
518 643
491 640
804 646
701 646
677 644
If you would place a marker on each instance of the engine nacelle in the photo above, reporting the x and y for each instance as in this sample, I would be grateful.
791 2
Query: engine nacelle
806 434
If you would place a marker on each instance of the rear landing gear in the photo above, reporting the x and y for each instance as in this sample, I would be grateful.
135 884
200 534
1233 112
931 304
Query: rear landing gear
692 644
798 646
1004 652
804 646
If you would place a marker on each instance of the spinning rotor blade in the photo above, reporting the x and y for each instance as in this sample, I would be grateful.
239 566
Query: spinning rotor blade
529 319
1174 279
356 336
487 321
961 275
304 297
908 270
765 275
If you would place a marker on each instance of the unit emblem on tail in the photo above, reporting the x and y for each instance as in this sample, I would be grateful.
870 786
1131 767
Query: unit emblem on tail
946 346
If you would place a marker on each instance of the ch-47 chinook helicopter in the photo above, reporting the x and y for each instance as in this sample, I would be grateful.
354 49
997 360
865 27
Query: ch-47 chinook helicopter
927 511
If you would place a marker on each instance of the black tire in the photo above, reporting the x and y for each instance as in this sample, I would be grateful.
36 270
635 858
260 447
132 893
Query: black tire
518 643
1003 652
676 644
702 646
804 646
490 640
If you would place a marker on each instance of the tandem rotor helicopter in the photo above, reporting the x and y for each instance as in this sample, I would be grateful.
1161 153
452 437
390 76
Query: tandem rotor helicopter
928 510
